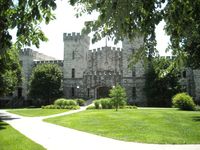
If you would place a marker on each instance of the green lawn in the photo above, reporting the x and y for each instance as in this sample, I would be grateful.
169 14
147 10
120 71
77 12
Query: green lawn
140 125
11 139
36 112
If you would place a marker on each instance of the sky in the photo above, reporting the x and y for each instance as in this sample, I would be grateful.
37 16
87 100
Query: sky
66 22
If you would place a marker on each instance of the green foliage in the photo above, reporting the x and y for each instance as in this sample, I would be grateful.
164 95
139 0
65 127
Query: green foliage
80 102
118 96
183 101
97 104
10 71
197 108
45 82
65 103
126 18
161 85
25 17
129 107
91 107
106 103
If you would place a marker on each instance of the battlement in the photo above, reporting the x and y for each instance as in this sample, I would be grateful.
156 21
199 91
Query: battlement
105 48
26 52
58 62
73 36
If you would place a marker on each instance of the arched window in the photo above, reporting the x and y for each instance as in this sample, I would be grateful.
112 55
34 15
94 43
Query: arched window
73 73
73 92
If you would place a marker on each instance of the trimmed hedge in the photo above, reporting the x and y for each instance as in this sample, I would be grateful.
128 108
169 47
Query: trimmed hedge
183 101
80 102
63 103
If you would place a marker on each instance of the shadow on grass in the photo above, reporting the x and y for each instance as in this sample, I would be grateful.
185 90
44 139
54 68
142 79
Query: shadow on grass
2 124
196 118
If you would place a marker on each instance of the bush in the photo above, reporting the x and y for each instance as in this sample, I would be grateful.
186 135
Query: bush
91 107
50 107
197 108
183 101
130 107
106 103
80 102
97 104
62 103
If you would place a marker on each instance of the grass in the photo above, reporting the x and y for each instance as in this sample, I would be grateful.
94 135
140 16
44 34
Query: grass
36 112
11 139
166 126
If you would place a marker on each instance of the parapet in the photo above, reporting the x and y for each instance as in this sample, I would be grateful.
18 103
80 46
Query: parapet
26 52
73 36
105 48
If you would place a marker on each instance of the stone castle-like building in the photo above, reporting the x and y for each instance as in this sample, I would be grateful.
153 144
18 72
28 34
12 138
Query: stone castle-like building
89 74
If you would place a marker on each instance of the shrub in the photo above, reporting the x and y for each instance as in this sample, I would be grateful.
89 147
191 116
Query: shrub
91 107
106 103
183 101
97 104
62 103
59 102
197 108
80 102
50 107
130 107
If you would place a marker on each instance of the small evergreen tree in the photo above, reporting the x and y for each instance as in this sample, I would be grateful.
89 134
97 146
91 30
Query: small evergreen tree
118 96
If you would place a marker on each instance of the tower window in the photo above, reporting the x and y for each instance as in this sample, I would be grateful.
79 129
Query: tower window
88 92
73 92
73 73
133 92
73 55
184 74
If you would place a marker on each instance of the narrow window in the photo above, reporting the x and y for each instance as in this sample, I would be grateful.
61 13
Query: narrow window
88 92
133 92
73 73
73 92
73 55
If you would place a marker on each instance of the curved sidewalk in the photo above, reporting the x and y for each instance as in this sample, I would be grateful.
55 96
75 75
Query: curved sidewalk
54 137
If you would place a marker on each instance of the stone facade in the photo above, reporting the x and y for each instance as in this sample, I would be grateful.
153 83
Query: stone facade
90 74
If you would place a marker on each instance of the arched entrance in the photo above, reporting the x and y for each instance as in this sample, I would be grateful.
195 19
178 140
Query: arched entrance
103 92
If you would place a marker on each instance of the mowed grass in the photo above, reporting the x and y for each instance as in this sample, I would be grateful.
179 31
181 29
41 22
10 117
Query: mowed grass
36 112
166 126
11 139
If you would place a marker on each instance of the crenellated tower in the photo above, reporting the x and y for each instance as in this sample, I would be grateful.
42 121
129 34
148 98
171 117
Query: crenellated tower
76 48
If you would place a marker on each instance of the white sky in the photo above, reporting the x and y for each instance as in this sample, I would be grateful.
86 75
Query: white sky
66 22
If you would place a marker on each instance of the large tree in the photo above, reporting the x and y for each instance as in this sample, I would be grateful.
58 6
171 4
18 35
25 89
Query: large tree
128 18
10 72
45 83
161 85
25 16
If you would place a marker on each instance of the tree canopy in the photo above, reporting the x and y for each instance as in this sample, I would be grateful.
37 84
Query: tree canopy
118 96
45 83
10 72
161 85
127 18
25 16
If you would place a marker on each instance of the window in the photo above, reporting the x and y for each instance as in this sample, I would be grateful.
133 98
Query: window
73 73
73 92
73 55
88 92
133 92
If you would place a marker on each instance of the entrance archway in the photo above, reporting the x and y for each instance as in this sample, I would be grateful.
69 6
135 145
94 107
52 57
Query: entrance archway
103 92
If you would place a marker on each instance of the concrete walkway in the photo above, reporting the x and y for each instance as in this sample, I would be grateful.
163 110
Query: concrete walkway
54 137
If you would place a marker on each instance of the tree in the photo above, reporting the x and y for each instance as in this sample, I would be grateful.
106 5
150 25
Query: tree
118 96
45 83
160 85
25 16
10 72
128 18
